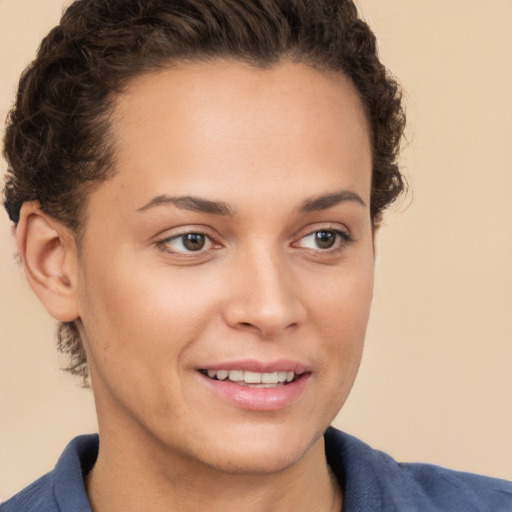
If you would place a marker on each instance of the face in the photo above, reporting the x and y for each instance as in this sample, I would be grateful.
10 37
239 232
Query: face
227 269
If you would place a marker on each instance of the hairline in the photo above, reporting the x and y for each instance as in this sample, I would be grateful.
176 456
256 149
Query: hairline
107 119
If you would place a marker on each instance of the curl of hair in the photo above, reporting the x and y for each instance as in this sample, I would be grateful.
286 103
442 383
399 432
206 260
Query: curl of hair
57 141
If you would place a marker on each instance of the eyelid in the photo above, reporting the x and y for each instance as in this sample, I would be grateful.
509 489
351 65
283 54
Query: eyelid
342 232
175 233
345 237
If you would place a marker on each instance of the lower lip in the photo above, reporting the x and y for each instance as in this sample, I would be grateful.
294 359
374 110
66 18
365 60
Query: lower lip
258 399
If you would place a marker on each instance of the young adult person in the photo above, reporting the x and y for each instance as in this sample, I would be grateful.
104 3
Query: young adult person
196 187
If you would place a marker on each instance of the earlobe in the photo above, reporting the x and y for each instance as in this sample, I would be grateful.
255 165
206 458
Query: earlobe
48 254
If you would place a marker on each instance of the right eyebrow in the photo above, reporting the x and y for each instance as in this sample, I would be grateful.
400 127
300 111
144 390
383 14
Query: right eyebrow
329 200
192 203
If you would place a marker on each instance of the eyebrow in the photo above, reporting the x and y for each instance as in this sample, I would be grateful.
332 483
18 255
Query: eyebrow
329 200
192 203
198 204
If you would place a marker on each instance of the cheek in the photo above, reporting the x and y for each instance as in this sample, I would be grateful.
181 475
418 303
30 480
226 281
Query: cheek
343 302
144 317
138 330
341 311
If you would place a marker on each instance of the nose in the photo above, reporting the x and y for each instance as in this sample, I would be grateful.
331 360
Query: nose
265 296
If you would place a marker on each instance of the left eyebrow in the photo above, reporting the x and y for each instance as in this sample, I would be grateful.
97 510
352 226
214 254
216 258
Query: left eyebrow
192 203
329 200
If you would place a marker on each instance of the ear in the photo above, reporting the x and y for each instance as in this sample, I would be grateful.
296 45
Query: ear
49 257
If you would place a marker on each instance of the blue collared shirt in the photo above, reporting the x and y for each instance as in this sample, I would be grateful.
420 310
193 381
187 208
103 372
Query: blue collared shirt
371 480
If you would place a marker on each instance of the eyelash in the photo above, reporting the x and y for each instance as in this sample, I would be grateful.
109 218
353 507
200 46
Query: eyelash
164 244
342 239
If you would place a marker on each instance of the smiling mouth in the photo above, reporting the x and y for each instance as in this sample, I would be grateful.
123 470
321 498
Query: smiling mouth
253 379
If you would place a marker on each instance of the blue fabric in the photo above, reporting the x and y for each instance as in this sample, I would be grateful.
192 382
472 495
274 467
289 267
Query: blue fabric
61 490
372 482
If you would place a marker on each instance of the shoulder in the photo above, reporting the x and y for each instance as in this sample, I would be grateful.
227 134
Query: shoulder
444 486
63 488
38 496
375 481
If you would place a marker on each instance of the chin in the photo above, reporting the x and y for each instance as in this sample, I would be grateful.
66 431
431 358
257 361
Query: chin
259 451
253 462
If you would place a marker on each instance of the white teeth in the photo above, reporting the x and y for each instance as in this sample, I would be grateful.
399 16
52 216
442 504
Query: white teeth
270 378
236 375
253 377
222 374
265 379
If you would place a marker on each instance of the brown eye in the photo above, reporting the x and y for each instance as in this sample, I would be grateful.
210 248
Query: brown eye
187 243
194 241
325 239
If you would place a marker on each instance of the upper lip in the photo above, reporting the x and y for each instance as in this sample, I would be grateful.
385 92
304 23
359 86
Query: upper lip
252 365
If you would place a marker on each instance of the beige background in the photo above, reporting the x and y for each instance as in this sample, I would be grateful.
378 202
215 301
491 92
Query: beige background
435 383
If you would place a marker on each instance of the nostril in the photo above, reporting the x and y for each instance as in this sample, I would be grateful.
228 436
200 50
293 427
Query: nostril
249 327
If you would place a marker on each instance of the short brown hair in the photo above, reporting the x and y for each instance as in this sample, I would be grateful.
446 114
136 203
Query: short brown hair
57 138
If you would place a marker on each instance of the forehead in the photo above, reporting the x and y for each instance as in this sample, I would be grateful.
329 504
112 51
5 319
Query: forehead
227 124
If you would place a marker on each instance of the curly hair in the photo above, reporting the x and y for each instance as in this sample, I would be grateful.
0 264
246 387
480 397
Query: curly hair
57 143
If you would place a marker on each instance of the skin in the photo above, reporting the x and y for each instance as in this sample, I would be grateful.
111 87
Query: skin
266 144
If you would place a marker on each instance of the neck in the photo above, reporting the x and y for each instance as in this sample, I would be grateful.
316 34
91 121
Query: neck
127 478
